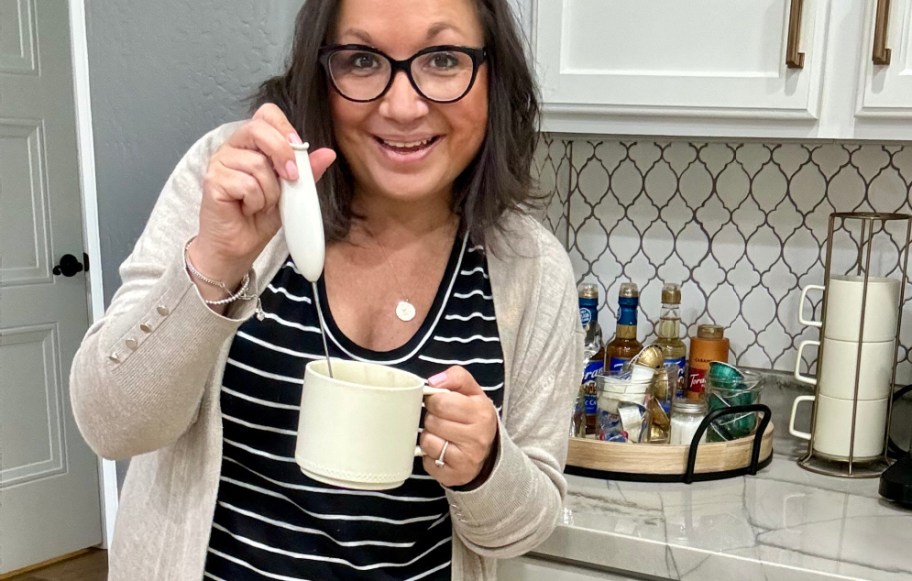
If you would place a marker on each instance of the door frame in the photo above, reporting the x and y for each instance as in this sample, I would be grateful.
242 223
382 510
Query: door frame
107 472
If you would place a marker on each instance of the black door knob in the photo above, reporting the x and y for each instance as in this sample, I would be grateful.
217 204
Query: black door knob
69 265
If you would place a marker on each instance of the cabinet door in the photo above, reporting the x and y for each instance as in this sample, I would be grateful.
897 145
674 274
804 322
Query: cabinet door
885 94
620 66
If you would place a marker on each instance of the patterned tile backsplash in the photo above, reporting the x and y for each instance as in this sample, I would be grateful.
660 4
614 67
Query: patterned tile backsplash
742 227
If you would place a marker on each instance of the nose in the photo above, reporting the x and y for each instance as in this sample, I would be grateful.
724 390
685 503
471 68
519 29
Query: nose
402 102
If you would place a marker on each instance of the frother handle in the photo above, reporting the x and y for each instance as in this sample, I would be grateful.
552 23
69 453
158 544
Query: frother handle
792 430
801 301
798 376
302 220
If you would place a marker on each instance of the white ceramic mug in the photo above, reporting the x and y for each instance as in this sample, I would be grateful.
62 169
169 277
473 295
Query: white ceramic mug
359 428
832 434
836 370
844 308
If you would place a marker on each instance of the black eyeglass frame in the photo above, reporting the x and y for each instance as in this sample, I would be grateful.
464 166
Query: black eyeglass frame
478 56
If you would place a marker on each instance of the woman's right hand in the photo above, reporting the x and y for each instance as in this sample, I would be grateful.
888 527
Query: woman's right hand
239 214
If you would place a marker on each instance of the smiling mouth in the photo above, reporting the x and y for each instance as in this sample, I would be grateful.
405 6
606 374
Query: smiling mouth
407 146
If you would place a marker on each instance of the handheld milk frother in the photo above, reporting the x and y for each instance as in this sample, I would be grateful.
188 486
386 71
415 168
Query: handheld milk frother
303 224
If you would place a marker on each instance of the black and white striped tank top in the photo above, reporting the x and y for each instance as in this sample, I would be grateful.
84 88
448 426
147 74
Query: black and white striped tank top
273 522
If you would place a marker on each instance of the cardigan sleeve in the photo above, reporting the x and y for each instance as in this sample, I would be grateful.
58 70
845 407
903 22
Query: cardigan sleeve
518 506
138 377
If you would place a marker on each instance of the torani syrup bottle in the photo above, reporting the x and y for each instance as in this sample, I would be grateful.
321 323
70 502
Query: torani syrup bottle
624 345
594 351
669 332
710 344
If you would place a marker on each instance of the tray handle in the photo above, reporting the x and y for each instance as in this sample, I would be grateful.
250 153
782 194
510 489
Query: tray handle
712 416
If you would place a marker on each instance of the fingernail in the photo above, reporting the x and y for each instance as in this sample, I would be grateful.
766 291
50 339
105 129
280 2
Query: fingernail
438 379
291 170
293 137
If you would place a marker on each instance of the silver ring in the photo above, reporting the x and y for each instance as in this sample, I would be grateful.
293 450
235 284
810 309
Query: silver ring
439 461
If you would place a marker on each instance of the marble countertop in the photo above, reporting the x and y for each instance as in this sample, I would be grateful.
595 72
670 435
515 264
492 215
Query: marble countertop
785 523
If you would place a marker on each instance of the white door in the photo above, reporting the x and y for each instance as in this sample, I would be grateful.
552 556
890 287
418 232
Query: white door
885 97
635 64
49 492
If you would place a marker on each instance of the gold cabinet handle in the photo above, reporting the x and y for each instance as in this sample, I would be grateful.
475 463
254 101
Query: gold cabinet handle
881 54
794 59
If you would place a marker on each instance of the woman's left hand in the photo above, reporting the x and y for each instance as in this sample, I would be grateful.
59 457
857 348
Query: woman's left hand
465 417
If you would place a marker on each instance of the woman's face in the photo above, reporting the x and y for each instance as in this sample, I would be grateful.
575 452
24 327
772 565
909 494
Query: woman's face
402 146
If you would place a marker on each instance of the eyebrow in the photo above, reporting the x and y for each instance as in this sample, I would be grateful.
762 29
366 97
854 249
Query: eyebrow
434 30
439 27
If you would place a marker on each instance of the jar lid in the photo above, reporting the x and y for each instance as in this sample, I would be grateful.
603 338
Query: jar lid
688 406
710 332
671 293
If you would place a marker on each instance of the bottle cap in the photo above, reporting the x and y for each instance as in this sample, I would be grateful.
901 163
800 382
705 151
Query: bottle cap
671 293
710 332
629 290
588 290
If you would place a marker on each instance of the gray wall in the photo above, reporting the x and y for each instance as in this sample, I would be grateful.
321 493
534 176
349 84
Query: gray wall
162 74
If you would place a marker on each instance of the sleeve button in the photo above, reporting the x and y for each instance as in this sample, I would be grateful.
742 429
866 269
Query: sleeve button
115 357
145 328
163 310
132 343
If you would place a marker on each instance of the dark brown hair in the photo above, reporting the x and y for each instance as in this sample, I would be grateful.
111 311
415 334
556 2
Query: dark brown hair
496 181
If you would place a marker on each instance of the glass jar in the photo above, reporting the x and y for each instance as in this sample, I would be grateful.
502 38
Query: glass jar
686 415
623 407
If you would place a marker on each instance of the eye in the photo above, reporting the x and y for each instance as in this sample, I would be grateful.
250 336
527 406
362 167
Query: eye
356 62
443 60
363 60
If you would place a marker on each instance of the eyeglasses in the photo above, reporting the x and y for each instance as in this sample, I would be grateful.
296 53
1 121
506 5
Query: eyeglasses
442 74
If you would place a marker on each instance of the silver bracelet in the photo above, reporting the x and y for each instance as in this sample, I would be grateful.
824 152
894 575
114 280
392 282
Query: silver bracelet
239 295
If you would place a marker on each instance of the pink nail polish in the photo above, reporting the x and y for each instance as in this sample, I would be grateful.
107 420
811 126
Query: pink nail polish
293 137
438 379
291 170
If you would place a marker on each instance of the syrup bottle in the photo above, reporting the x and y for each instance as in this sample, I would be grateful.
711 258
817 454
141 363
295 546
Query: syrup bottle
624 346
594 353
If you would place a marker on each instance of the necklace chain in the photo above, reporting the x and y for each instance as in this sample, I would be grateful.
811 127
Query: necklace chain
405 310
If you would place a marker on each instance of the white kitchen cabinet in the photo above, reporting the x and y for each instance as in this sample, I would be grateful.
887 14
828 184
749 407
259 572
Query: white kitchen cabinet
732 68
884 104
534 569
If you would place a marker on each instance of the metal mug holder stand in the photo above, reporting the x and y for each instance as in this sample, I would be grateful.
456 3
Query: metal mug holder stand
869 221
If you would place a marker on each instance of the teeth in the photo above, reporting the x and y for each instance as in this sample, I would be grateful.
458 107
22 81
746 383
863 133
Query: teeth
407 144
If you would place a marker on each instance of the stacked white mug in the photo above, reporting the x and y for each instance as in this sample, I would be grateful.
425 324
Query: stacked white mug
851 341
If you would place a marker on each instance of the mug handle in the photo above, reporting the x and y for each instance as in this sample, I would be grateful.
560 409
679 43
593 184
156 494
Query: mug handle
428 390
792 430
798 376
801 301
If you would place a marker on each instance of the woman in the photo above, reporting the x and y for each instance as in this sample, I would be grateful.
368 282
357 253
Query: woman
425 113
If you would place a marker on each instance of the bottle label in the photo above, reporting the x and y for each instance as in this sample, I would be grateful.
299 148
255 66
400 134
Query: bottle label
696 382
627 312
588 310
616 364
585 316
589 387
681 363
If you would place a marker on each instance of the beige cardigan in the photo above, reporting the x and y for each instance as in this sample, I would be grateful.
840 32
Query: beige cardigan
145 384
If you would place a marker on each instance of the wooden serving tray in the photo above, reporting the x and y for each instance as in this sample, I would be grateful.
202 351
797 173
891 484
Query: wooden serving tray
666 460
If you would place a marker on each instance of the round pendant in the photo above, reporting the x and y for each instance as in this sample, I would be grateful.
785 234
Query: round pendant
405 311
